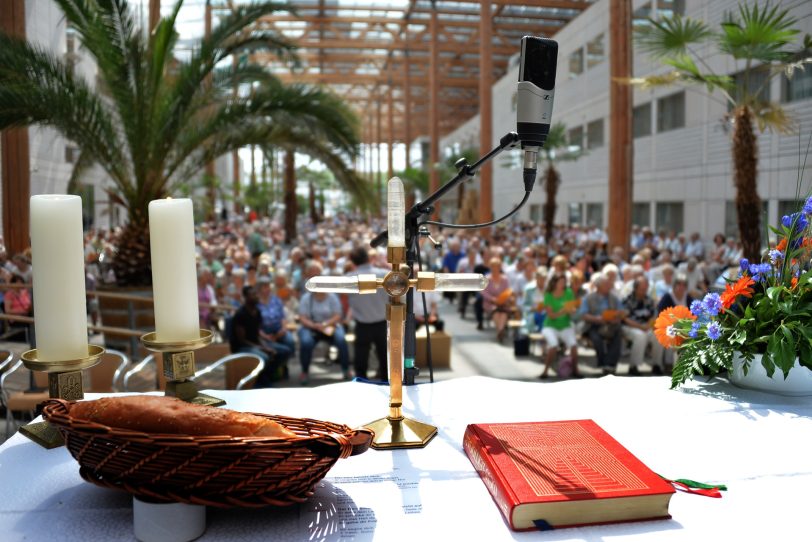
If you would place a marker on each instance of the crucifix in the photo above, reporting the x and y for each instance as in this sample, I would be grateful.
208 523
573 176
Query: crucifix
396 430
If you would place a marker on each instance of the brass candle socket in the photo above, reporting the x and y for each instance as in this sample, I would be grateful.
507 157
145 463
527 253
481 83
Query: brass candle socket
179 366
64 382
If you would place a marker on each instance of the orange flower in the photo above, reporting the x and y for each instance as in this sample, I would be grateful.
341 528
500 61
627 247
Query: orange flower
782 246
794 282
664 326
732 291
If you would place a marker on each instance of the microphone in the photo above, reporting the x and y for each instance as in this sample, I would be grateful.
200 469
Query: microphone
534 99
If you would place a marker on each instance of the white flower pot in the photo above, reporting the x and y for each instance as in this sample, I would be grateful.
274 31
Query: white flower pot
797 383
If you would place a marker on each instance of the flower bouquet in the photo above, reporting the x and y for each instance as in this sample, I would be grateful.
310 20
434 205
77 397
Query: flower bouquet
767 310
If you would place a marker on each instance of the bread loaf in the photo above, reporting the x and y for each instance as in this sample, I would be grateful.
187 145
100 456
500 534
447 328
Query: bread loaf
156 414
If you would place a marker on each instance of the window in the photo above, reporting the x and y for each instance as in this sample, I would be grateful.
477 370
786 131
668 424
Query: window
670 216
535 213
595 52
574 214
641 15
641 214
799 87
641 120
594 214
594 134
732 220
576 62
671 112
575 137
787 207
71 154
70 40
669 8
754 83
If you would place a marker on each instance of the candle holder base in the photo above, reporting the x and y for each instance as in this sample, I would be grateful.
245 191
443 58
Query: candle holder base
44 434
186 390
64 382
394 433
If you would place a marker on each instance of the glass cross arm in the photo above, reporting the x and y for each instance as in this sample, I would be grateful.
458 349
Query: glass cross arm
451 282
338 285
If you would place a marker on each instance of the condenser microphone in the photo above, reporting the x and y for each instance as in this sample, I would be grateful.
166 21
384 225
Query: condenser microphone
534 99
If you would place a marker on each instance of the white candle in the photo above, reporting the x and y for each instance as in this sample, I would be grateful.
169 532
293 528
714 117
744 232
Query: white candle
174 270
57 253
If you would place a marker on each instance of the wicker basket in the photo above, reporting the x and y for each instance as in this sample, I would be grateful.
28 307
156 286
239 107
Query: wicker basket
215 471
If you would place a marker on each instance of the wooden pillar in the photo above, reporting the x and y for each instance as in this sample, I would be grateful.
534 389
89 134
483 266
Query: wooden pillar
14 165
621 164
390 119
378 170
291 205
235 158
210 173
155 13
485 115
407 107
434 107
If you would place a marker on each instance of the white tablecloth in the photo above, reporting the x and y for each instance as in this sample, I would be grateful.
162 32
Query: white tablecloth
757 444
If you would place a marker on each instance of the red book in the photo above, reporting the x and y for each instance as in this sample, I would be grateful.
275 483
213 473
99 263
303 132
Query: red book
547 475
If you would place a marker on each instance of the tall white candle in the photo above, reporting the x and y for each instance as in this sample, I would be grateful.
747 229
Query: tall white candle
174 270
57 253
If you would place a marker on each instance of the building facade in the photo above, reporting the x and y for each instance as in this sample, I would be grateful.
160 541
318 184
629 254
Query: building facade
683 177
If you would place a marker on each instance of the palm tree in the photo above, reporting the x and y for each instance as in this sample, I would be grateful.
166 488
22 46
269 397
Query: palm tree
761 38
556 149
156 118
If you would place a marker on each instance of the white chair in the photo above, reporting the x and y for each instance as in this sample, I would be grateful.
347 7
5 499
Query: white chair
241 370
15 400
129 381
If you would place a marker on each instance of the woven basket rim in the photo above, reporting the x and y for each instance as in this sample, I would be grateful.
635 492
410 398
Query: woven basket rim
271 471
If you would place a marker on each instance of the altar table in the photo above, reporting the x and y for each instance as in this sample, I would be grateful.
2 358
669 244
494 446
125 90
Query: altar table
757 444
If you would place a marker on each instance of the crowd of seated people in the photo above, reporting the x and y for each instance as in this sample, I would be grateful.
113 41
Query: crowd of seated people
571 288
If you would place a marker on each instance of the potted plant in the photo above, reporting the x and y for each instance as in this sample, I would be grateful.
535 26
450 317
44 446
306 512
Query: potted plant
760 328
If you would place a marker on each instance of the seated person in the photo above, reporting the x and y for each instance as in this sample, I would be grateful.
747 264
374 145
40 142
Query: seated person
497 298
320 317
244 336
432 300
274 332
560 303
637 327
602 313
533 301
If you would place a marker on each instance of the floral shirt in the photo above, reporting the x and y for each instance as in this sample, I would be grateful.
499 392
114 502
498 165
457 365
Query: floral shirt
273 314
641 311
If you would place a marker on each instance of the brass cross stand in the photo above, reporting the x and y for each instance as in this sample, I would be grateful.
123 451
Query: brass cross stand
64 382
395 430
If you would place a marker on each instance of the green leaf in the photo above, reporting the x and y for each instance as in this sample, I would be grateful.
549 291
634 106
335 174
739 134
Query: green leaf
670 35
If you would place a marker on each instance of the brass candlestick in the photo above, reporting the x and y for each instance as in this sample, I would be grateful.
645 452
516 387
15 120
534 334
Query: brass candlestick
179 366
64 382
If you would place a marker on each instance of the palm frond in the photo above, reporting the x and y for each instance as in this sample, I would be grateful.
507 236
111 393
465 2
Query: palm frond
758 33
37 87
771 116
670 35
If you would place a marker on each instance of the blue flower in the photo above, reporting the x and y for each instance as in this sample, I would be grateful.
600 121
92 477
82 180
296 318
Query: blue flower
694 330
697 308
776 255
799 219
807 210
760 271
744 264
712 304
714 331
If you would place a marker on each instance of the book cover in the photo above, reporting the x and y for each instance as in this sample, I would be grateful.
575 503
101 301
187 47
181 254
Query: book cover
545 475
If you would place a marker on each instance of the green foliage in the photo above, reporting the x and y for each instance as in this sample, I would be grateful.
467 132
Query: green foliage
414 180
763 37
156 119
